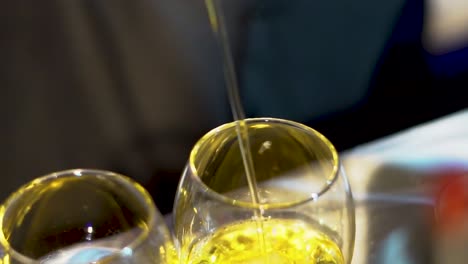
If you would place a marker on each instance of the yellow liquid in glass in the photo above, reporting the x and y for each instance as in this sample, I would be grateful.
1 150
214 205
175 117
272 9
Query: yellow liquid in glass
286 241
73 217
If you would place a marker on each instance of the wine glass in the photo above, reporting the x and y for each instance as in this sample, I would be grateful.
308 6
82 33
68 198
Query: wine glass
83 216
305 209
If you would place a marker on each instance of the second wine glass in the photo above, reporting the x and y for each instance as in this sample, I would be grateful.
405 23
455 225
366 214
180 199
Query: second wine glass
83 216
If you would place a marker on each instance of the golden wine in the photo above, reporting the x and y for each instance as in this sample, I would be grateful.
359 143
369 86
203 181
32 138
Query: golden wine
217 24
285 241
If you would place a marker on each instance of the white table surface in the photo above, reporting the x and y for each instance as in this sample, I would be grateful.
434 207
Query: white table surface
391 179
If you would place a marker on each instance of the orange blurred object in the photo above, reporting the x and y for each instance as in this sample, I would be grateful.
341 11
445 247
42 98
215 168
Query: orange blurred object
451 225
452 200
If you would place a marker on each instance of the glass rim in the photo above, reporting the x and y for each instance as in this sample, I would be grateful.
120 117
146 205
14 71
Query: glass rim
11 199
312 196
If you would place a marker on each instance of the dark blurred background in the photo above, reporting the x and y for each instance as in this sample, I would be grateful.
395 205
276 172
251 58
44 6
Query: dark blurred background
129 86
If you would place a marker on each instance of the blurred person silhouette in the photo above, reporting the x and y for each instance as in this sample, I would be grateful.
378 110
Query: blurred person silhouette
354 71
